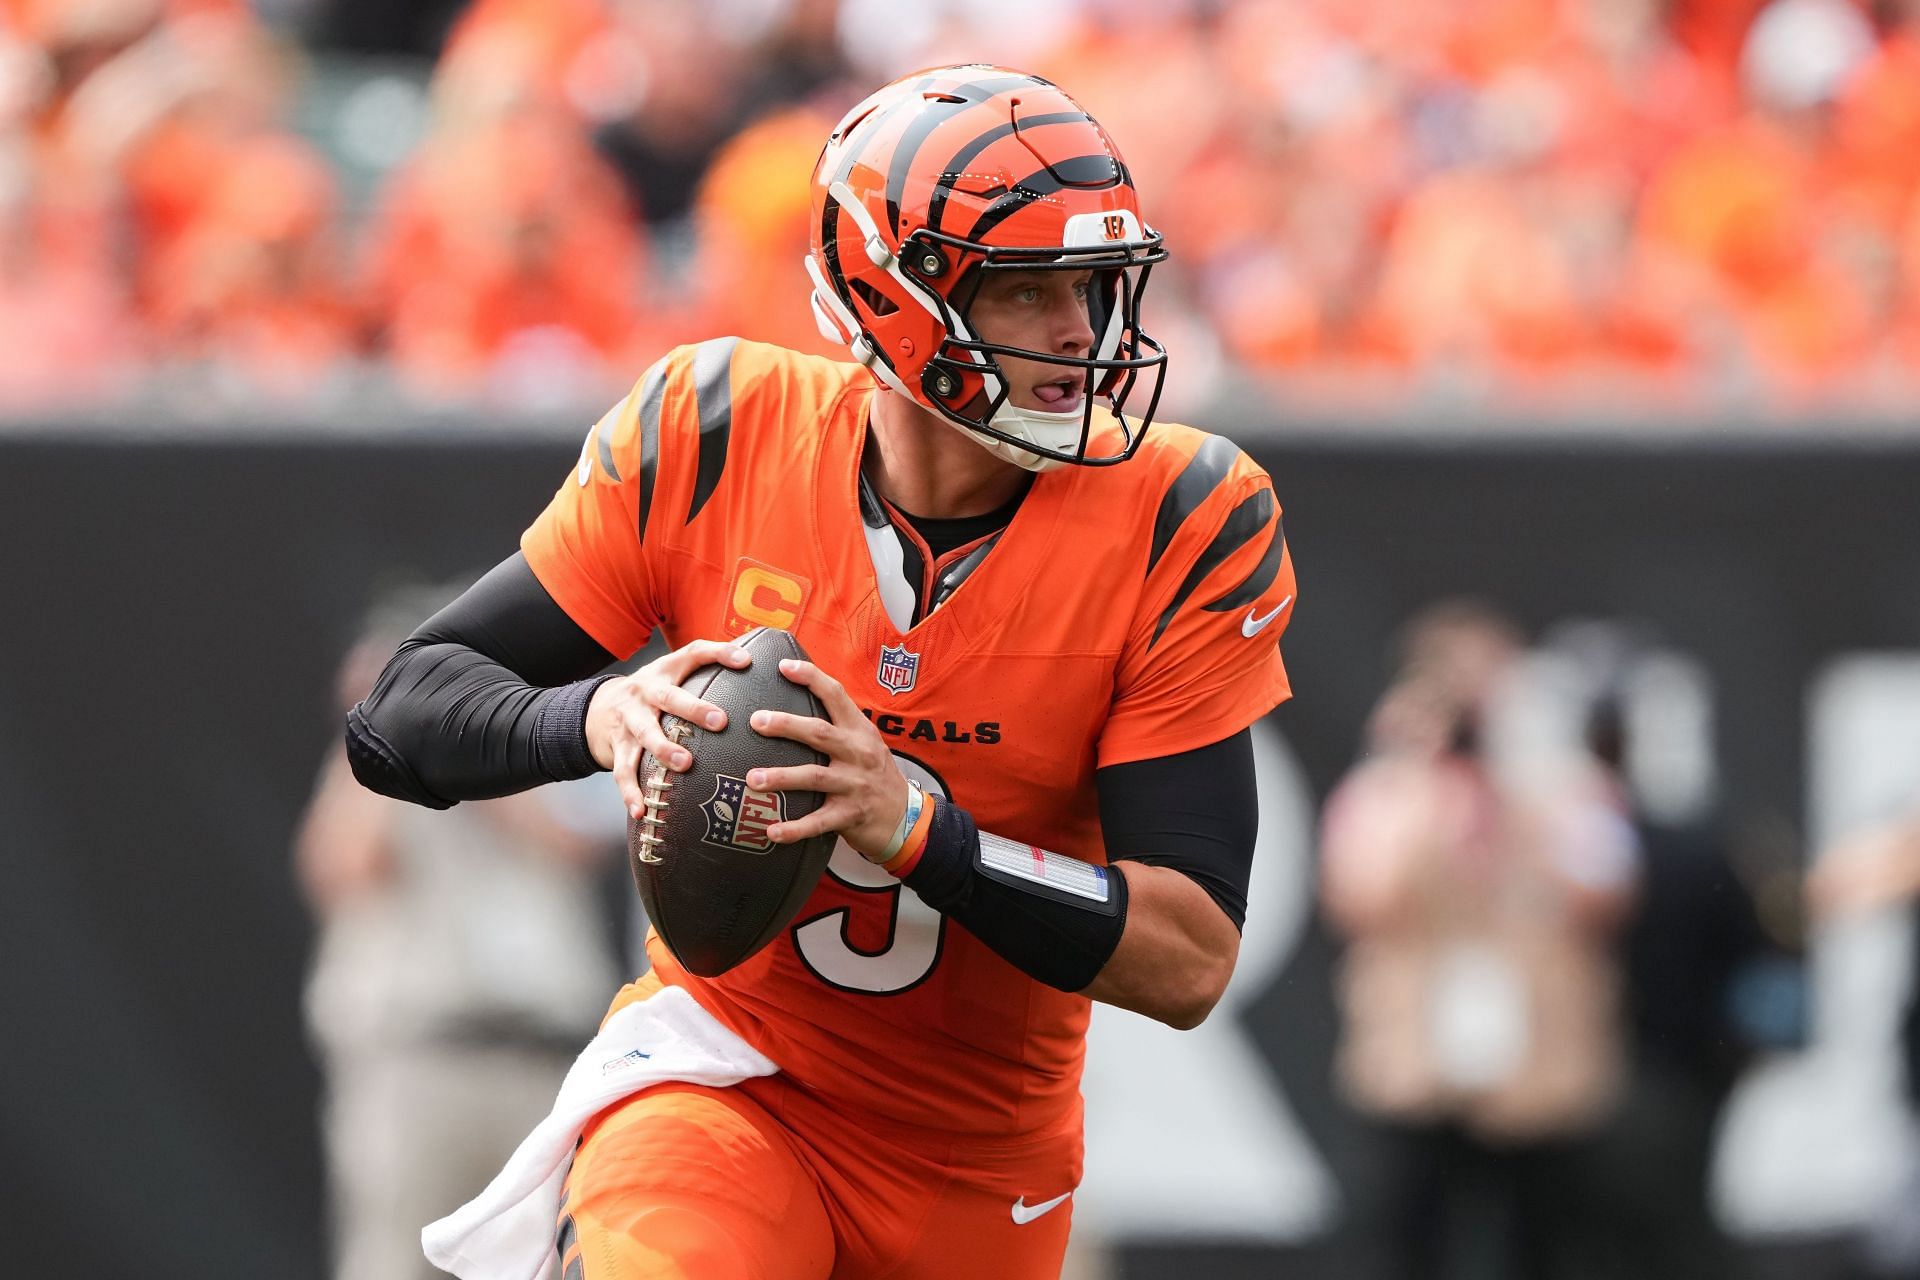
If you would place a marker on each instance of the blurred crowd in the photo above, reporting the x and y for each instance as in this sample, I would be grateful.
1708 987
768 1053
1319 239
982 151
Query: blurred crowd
1690 204
1542 968
1561 956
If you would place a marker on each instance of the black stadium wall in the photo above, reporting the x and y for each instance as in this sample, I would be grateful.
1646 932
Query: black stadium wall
174 611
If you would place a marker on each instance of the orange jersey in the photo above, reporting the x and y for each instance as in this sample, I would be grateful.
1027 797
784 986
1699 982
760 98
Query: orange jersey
1127 612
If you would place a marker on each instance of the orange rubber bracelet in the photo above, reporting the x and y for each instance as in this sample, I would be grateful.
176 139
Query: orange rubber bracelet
914 845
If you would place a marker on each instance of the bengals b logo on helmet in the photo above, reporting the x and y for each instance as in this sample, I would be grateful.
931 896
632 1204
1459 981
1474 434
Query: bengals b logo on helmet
949 174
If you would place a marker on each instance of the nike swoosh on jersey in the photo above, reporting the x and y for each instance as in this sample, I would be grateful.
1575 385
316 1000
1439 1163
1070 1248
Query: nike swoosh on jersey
1252 626
1023 1213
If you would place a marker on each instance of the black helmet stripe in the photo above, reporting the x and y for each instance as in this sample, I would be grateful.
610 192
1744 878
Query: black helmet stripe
1044 183
937 114
830 208
957 167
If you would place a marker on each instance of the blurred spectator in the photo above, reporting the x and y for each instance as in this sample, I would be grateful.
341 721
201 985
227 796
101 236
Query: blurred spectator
1714 32
253 291
1874 871
1694 937
797 60
162 137
1877 120
462 959
505 262
1749 208
752 215
417 28
67 333
1479 992
684 94
164 109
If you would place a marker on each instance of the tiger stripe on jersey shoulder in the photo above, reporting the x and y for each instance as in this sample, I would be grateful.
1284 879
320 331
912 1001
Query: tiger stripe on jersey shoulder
599 445
652 394
1205 472
1255 584
606 457
708 367
691 410
603 435
713 392
1243 524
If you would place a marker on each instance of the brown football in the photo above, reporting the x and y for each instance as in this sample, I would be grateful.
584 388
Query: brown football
713 884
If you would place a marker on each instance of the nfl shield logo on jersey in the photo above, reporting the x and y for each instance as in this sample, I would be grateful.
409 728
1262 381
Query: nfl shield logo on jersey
738 816
898 668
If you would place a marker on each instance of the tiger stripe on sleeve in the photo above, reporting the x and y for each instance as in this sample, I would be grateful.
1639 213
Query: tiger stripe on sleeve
1202 660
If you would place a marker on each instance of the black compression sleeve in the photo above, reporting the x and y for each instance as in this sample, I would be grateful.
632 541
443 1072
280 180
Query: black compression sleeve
1058 919
1195 812
466 707
1017 905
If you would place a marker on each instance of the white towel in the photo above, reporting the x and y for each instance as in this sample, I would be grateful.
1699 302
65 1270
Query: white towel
507 1231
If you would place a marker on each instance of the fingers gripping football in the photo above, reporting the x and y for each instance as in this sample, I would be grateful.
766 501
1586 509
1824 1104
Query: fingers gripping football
624 718
866 793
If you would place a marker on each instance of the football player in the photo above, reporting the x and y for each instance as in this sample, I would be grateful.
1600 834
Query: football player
1041 625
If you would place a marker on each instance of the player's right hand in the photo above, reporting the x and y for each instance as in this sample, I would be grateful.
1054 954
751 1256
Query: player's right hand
623 720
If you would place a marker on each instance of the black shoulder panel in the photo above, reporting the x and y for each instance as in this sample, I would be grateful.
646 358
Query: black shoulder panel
1243 524
1201 476
713 384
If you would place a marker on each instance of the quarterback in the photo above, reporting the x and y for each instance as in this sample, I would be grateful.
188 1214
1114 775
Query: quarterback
1041 624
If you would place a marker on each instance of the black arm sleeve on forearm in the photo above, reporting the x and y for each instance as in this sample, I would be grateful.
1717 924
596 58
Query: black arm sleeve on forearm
1196 812
467 708
1060 938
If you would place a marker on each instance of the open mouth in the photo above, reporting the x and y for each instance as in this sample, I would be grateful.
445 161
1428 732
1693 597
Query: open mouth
1059 394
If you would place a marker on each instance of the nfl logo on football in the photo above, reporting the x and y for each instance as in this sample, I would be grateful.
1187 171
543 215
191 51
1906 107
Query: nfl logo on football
738 816
898 668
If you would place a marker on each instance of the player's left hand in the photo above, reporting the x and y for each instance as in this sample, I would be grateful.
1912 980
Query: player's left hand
866 794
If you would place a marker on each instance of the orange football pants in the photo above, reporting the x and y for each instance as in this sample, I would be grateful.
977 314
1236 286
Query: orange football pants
758 1182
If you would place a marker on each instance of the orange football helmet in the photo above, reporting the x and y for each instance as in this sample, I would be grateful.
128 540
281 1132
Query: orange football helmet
944 176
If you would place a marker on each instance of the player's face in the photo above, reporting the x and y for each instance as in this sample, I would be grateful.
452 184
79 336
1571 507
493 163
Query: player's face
1040 311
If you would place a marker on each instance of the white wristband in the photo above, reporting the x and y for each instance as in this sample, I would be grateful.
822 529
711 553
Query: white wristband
915 799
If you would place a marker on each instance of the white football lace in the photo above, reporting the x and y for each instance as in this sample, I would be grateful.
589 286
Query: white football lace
654 790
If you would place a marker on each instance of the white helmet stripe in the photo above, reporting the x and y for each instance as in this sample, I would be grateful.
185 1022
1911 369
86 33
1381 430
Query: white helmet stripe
877 249
887 260
827 300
